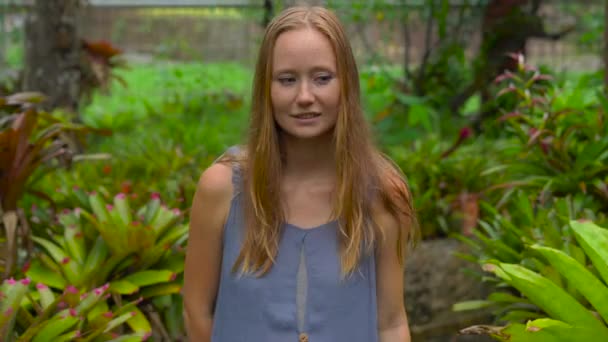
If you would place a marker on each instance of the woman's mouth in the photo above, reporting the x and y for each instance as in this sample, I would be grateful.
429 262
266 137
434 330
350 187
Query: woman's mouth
304 116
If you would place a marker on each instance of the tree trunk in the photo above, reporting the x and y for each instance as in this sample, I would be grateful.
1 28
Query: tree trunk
52 52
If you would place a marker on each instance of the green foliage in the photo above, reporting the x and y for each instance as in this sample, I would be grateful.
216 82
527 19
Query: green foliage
137 253
560 150
449 180
30 140
103 242
39 314
573 296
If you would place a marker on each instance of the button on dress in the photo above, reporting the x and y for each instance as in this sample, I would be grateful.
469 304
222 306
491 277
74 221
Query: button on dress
302 298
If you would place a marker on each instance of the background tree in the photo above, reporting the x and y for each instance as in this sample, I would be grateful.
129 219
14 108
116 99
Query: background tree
507 25
53 52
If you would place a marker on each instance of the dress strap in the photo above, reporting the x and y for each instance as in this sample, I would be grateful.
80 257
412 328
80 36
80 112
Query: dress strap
232 156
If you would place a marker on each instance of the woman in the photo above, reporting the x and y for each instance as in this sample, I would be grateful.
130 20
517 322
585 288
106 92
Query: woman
300 235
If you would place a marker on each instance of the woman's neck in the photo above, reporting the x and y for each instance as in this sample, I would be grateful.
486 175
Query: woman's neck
309 158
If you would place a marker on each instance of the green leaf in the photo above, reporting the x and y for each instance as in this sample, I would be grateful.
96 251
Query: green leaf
139 323
549 330
119 321
161 289
549 297
123 286
152 209
503 297
70 269
173 235
150 277
97 310
121 204
520 315
594 240
96 256
47 298
99 208
583 280
74 240
565 332
472 305
39 273
59 325
12 296
590 154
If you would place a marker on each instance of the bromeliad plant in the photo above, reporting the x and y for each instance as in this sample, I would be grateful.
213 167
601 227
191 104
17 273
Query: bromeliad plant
566 292
31 141
558 150
39 314
105 242
137 252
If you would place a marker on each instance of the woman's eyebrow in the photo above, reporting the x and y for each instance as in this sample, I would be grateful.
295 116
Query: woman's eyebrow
313 69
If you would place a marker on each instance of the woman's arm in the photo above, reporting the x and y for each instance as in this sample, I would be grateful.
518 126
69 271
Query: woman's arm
392 318
210 208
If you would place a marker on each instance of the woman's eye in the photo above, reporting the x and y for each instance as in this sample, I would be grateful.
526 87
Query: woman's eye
323 79
287 80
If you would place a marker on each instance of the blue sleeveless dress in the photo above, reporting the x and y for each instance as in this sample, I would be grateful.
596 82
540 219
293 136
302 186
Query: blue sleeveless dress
302 298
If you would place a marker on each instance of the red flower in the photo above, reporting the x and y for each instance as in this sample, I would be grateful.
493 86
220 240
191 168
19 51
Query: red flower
106 169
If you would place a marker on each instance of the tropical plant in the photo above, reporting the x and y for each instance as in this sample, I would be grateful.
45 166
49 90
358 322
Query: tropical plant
559 151
38 314
449 180
30 140
566 286
137 253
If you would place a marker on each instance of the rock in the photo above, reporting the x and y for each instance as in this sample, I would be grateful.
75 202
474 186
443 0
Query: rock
434 281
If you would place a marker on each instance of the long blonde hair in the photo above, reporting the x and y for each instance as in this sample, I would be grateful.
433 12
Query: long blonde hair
364 176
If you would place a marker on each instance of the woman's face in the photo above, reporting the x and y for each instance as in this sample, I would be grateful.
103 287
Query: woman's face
305 88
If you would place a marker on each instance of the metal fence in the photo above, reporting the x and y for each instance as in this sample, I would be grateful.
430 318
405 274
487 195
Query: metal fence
230 30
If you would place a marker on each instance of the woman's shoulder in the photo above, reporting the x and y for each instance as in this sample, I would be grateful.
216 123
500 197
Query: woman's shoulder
216 180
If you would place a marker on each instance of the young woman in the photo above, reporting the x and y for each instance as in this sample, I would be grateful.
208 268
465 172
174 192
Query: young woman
300 235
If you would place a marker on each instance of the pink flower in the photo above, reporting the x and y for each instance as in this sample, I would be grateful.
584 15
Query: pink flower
465 133
71 289
121 196
155 196
41 286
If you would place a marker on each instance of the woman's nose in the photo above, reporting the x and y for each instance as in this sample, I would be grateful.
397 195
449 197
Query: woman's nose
305 95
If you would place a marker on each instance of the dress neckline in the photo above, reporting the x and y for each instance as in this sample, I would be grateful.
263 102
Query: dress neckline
319 227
